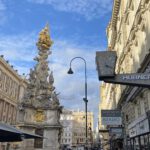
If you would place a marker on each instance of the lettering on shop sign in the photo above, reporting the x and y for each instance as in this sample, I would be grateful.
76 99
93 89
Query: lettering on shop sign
111 120
132 132
136 77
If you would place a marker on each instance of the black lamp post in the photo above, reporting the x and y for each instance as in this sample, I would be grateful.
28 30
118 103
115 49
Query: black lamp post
85 98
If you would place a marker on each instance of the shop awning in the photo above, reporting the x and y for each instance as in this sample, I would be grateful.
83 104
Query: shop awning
9 133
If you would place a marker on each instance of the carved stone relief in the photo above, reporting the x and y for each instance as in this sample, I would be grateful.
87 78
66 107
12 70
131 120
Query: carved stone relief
39 116
40 90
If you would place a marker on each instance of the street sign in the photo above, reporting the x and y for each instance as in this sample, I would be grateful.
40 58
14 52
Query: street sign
111 117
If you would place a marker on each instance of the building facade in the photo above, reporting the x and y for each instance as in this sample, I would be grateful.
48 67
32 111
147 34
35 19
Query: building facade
66 120
129 34
73 135
12 87
79 117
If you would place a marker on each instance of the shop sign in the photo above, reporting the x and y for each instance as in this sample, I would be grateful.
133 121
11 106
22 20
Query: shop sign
116 132
106 62
139 128
142 127
111 117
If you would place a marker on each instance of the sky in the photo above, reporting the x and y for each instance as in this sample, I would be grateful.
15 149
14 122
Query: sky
77 28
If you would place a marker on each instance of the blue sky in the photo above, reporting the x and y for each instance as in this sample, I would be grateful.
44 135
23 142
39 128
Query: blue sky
77 27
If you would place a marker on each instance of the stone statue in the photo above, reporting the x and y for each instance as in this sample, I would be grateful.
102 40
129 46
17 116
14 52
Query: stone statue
32 77
54 100
40 90
44 41
51 78
55 96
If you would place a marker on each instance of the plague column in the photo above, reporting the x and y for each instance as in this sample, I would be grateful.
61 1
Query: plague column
39 111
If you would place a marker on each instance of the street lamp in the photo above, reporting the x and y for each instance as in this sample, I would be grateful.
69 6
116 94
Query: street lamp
70 71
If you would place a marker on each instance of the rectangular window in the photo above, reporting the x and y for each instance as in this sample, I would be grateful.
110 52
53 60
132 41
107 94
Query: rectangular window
10 113
1 109
7 109
38 142
65 140
14 115
5 112
4 81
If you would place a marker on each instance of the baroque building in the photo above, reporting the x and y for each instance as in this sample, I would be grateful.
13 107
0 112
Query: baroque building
73 133
79 117
12 87
67 122
40 110
129 34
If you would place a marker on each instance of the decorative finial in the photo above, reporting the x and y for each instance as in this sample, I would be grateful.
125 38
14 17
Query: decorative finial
44 41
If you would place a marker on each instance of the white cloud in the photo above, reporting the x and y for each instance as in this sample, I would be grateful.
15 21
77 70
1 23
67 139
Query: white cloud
18 47
72 86
20 51
88 8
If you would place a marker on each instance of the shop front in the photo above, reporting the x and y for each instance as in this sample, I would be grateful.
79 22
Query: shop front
139 134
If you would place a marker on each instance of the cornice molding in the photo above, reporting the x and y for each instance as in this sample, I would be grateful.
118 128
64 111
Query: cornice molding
114 18
10 69
115 12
